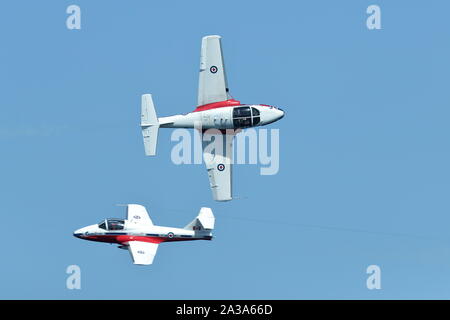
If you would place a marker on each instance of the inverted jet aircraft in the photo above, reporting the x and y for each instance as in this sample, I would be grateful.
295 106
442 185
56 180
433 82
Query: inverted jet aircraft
216 109
141 237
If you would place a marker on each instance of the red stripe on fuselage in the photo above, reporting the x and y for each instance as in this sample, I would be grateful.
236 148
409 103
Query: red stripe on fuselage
121 239
220 104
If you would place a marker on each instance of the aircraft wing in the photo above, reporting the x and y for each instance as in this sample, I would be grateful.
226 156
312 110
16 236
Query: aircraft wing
217 154
212 85
142 253
137 214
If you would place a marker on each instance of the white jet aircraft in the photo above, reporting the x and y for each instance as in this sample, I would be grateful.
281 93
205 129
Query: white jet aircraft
141 237
216 110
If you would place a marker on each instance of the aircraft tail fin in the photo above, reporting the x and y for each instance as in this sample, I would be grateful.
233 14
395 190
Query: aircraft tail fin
149 124
203 222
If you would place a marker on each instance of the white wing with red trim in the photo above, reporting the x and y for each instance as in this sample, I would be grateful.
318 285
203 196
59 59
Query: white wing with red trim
137 214
212 85
217 154
142 253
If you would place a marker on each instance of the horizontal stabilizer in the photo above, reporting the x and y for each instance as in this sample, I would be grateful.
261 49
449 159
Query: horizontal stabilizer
149 125
150 135
148 113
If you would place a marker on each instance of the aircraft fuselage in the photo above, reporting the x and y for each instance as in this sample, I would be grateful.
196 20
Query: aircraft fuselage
155 234
223 115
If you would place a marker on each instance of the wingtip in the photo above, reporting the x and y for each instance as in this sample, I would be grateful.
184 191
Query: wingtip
212 36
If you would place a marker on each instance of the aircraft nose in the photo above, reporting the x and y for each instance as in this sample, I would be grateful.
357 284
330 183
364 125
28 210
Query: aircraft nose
271 115
78 233
281 113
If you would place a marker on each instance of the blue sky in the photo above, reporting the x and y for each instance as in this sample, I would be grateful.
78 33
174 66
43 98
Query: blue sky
364 149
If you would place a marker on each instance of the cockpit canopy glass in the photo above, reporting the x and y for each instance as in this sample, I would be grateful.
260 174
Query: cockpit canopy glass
245 116
115 224
241 112
102 225
256 118
112 224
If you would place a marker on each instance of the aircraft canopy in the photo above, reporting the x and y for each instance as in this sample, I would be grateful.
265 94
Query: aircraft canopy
112 224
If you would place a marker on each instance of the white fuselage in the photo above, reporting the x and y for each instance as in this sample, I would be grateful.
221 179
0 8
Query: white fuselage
223 118
133 232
